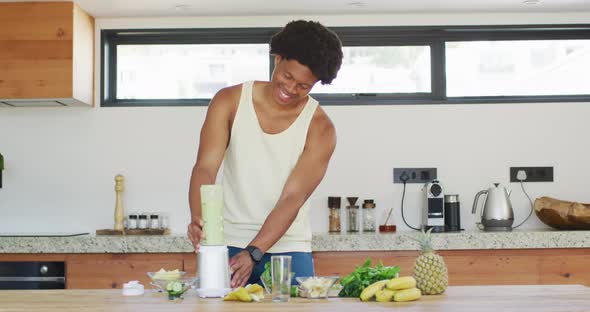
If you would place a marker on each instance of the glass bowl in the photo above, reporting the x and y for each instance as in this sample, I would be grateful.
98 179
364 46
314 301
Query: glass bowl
315 286
159 279
176 288
168 275
266 284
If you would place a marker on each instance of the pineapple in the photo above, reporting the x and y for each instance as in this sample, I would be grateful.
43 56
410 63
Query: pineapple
430 270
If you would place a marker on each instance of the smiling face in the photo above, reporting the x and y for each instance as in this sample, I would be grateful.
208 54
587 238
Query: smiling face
291 81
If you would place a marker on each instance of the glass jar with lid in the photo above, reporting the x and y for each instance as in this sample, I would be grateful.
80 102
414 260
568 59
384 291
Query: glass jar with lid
154 222
353 215
369 222
132 222
142 222
334 205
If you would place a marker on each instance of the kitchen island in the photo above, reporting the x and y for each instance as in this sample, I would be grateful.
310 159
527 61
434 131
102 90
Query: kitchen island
533 298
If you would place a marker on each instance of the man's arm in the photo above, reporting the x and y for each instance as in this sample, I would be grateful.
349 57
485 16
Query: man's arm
213 143
303 180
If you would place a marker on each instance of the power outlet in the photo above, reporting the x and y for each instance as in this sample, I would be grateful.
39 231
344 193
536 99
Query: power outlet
533 174
414 175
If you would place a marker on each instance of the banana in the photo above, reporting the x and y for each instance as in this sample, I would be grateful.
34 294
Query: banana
399 283
370 290
384 295
407 294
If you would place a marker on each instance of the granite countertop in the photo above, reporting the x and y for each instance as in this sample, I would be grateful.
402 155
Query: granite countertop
522 239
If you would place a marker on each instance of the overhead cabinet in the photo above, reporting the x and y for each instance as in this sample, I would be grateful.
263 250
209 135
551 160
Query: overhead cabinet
46 54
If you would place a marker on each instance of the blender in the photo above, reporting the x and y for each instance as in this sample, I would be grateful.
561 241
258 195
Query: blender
212 257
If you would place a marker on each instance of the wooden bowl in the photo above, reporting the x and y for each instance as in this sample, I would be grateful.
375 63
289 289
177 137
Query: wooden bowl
563 215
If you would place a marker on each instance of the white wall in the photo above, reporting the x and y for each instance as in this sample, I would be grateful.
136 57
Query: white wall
60 162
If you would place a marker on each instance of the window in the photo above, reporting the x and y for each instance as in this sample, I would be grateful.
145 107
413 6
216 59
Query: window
183 67
381 65
186 71
402 69
518 68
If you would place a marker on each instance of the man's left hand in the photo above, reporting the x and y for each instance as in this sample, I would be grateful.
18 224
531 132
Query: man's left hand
241 266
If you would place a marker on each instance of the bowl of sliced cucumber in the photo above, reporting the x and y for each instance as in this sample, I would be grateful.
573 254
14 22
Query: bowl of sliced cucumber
175 288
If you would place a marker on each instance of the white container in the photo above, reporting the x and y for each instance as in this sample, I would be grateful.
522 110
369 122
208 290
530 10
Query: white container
213 265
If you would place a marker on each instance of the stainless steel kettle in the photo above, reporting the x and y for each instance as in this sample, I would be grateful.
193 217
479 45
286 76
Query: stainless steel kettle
497 213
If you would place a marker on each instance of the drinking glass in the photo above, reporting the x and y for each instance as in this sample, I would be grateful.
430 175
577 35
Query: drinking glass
280 270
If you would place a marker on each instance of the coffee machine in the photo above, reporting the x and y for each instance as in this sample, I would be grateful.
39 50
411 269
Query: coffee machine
433 216
212 257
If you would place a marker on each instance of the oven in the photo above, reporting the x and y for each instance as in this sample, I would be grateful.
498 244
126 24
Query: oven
32 275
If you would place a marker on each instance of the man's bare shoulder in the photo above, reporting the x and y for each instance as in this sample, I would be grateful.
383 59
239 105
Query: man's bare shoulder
322 127
228 96
322 122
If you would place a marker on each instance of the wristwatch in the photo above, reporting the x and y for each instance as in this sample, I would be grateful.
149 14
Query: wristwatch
255 253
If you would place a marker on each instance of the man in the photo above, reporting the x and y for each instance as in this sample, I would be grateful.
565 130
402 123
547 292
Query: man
275 143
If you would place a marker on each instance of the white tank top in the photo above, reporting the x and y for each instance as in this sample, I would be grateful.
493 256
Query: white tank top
255 169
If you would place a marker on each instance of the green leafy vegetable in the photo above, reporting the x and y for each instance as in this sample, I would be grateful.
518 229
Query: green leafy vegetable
266 277
266 274
364 276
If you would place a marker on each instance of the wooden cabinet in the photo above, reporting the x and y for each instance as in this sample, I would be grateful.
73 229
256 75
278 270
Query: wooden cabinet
46 54
466 267
477 267
112 270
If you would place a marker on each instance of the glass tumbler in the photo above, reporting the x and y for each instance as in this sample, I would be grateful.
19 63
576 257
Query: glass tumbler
280 270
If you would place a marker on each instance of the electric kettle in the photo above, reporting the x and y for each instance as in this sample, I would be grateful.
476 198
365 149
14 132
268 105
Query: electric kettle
497 214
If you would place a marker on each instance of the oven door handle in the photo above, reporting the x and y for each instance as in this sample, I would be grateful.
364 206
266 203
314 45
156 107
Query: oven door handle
32 279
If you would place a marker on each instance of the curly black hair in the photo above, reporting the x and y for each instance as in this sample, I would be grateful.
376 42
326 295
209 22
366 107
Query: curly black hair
311 44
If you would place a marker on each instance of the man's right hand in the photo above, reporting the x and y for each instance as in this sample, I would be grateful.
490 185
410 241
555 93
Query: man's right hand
195 232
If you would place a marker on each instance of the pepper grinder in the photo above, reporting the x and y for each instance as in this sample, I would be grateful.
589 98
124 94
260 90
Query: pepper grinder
119 211
353 215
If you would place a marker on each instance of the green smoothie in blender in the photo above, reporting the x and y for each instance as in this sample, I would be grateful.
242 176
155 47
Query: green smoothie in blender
212 214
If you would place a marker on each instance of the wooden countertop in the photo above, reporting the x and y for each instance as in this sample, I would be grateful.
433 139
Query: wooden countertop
525 298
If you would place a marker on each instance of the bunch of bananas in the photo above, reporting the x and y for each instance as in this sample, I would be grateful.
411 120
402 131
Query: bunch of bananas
398 289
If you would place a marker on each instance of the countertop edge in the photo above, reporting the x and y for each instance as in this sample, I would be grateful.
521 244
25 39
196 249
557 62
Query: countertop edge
321 242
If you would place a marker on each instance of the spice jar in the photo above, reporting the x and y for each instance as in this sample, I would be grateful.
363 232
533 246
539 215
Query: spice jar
334 205
132 222
154 224
369 224
353 214
142 222
163 218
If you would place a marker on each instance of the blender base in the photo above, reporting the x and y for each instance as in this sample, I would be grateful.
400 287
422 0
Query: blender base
213 293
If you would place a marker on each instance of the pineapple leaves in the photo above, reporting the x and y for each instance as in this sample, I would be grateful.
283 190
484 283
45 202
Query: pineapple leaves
424 240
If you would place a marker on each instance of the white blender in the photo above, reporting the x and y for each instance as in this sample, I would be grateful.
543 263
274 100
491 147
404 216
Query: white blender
212 257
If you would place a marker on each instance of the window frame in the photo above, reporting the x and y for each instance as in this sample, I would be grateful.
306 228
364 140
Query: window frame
112 37
433 36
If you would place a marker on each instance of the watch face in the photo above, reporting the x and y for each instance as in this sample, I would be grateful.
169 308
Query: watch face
255 253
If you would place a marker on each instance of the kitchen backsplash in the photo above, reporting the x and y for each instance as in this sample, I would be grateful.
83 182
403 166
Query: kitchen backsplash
60 163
